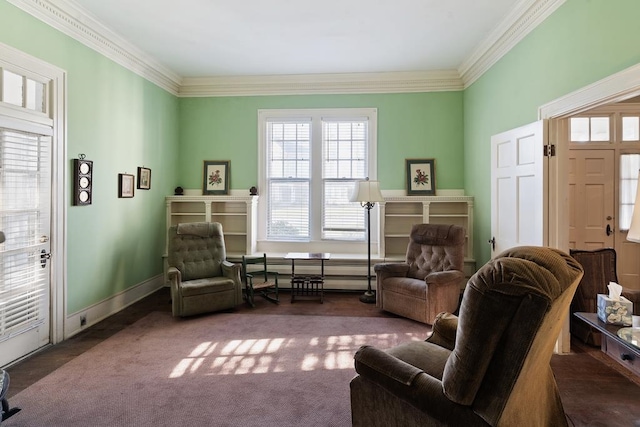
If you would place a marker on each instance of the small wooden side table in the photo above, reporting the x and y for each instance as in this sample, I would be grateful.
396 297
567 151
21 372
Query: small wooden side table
307 285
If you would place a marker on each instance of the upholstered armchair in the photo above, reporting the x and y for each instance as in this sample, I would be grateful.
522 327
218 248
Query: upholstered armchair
488 367
599 269
429 280
201 279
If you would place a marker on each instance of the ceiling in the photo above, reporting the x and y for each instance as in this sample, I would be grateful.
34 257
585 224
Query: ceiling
208 38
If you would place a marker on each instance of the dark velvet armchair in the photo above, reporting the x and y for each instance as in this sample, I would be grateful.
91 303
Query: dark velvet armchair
599 269
429 280
201 278
488 367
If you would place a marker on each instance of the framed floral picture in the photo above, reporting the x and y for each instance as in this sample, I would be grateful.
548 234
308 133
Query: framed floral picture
421 177
216 177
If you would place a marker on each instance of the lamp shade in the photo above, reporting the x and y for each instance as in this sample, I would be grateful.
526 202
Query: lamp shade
366 191
633 234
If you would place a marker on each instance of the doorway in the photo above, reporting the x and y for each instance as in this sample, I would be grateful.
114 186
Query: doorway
604 158
32 204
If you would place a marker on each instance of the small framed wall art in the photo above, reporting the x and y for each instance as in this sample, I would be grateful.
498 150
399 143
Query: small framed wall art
125 185
144 178
421 177
216 177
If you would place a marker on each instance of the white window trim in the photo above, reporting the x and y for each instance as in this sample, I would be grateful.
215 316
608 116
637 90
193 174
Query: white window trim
343 247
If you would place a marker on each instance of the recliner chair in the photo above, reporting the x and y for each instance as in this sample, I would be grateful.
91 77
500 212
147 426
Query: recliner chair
201 278
428 282
488 367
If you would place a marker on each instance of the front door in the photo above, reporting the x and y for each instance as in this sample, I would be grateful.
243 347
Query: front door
591 199
25 220
518 180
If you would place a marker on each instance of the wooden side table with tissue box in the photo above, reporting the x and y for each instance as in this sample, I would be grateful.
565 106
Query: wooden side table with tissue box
621 347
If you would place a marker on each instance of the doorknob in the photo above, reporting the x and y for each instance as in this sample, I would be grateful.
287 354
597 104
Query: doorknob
492 242
609 230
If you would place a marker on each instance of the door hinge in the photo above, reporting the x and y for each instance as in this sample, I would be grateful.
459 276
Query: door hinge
549 150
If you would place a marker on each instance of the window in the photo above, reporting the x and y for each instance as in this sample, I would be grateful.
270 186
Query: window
22 91
310 161
590 129
629 166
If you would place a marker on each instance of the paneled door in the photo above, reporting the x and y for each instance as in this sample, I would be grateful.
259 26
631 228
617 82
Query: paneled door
591 199
518 183
25 220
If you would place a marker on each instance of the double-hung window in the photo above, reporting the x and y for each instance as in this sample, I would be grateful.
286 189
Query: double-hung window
310 161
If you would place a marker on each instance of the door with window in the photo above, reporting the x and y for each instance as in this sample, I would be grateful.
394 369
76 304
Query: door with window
25 216
604 160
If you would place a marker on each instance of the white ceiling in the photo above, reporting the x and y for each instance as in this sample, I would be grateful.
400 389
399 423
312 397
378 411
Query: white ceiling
206 38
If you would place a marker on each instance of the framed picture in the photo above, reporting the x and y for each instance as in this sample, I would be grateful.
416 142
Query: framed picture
216 177
125 185
144 178
421 177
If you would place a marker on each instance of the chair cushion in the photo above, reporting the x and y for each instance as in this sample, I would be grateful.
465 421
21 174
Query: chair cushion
206 286
414 288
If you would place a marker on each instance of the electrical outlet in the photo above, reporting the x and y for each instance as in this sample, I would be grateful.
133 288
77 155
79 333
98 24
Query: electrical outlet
83 320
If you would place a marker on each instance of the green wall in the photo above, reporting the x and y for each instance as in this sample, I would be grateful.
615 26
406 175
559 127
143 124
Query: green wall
582 42
120 121
424 125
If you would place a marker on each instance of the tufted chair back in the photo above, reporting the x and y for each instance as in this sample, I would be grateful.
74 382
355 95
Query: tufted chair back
197 249
434 247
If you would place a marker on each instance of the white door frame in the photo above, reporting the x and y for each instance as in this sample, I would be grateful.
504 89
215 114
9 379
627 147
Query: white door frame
617 87
58 113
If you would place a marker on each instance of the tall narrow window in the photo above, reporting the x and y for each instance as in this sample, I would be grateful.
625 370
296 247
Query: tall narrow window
629 166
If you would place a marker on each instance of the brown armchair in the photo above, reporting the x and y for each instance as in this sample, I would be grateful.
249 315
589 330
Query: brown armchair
488 367
599 269
201 279
428 282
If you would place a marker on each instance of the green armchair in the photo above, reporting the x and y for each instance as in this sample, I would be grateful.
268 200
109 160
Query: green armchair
488 367
201 278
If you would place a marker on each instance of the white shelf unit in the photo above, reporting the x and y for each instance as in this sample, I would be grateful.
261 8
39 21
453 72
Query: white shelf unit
398 214
237 214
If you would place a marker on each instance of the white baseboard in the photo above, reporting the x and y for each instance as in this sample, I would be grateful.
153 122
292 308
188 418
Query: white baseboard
103 309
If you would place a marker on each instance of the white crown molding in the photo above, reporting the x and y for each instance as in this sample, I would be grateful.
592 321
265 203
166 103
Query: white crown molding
353 83
78 24
614 88
523 18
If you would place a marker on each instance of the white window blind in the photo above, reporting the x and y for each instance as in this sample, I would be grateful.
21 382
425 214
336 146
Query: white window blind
345 156
312 160
24 214
629 166
289 180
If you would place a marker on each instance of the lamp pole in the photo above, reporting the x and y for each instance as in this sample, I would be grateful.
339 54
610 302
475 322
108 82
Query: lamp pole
368 297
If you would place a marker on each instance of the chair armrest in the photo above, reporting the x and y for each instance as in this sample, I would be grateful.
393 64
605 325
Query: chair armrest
391 269
231 271
445 328
633 295
444 277
372 362
174 275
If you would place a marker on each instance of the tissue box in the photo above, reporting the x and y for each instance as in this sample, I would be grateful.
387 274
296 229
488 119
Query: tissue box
615 312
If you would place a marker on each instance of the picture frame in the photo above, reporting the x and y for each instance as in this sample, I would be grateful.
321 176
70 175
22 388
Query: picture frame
126 185
421 177
215 177
144 178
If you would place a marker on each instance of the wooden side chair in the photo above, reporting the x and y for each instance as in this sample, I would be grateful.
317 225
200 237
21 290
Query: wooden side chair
259 281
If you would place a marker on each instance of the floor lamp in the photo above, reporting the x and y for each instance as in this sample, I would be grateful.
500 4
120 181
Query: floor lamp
367 193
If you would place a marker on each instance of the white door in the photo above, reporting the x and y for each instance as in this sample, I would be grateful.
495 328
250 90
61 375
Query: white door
25 220
518 182
591 199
